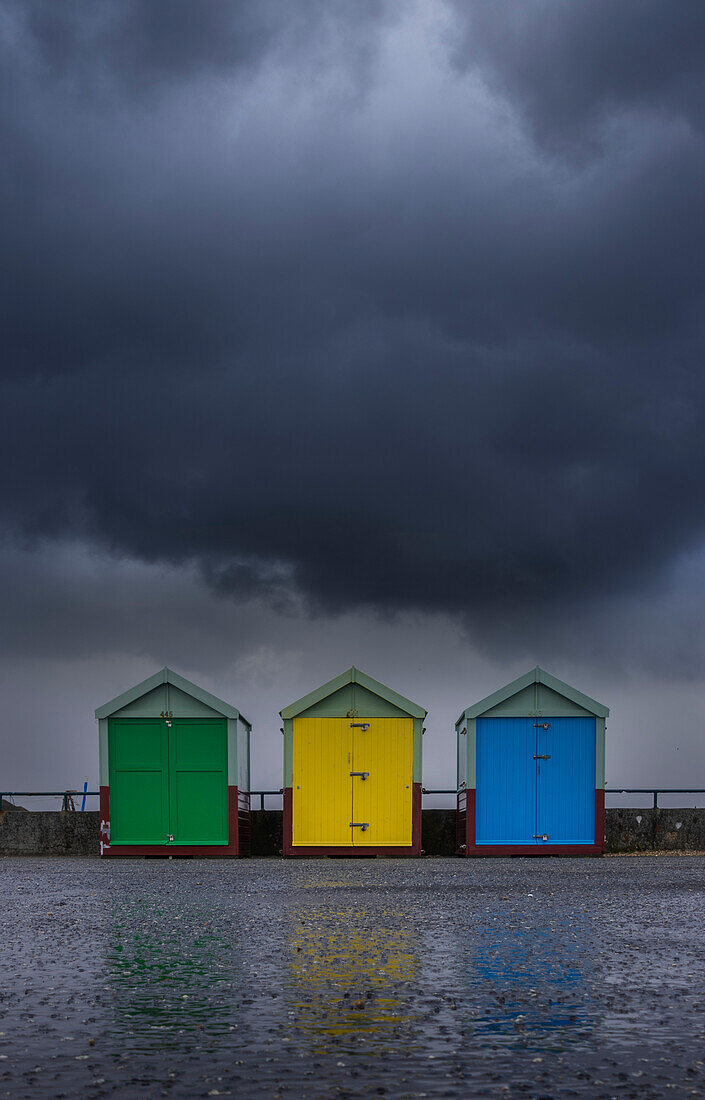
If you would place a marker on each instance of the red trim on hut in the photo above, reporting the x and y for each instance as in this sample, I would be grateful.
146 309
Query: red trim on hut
414 849
473 849
232 848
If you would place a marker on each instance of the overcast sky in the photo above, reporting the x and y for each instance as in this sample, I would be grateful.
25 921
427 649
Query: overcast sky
352 333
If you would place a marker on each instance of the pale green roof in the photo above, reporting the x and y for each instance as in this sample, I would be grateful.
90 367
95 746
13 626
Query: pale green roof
353 676
166 676
536 676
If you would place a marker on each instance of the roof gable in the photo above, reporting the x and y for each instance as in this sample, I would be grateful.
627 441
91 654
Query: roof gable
166 676
536 676
353 676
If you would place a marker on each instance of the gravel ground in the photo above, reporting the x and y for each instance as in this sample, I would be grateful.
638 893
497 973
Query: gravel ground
346 978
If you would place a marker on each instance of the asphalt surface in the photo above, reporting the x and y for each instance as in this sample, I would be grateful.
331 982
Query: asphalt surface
346 978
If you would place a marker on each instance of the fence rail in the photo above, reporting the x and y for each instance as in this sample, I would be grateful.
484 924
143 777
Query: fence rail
66 796
654 791
68 800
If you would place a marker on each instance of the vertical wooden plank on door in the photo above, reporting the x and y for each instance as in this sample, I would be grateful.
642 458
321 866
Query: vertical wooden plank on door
566 781
506 781
322 786
139 780
384 799
198 781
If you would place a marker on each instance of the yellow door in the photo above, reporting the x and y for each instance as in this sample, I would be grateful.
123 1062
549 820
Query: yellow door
322 787
382 798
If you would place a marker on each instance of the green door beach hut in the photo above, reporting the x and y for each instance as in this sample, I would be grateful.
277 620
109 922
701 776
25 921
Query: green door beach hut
531 771
174 772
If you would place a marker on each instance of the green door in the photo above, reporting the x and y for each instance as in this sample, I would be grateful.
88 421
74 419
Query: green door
198 781
168 784
139 780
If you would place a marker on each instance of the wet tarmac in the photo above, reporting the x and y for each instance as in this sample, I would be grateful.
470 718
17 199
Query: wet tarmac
346 978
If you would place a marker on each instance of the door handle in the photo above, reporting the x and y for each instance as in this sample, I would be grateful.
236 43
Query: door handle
170 836
363 775
538 756
360 725
540 836
542 725
360 825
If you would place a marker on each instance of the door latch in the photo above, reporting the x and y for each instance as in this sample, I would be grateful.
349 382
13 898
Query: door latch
360 825
363 775
361 725
538 756
170 836
542 725
540 836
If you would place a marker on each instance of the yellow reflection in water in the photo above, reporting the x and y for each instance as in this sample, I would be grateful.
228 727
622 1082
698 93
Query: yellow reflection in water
352 974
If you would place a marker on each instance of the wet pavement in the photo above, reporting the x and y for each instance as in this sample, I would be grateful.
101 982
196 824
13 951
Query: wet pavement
345 978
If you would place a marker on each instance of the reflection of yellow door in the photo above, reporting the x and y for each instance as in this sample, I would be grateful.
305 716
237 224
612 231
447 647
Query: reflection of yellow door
382 800
322 791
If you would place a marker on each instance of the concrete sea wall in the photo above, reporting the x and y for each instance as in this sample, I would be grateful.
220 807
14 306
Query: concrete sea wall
61 833
49 833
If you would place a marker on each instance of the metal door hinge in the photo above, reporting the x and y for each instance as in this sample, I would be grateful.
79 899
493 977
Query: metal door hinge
542 725
363 775
538 756
540 836
360 825
361 725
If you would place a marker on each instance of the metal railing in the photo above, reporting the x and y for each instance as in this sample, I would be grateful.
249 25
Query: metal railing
261 794
654 791
69 797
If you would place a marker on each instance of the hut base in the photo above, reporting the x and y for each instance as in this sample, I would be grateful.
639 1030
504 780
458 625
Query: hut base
238 834
468 847
324 851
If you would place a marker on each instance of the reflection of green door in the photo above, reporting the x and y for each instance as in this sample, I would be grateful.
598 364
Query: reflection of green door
168 784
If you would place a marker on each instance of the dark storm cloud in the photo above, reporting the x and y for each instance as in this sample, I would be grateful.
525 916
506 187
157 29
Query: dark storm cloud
343 331
141 45
571 67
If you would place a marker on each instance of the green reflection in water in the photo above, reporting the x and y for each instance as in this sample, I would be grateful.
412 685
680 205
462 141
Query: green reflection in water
169 979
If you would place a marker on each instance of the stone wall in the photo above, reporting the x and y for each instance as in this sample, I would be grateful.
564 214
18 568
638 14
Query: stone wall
61 833
663 830
49 833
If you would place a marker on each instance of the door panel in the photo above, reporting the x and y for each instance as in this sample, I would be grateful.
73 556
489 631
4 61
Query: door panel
322 787
198 773
383 800
566 781
506 781
139 781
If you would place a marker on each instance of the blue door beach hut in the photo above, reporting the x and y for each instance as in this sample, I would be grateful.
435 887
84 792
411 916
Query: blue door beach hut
531 771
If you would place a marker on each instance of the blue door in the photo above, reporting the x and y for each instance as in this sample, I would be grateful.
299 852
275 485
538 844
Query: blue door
535 781
566 780
506 781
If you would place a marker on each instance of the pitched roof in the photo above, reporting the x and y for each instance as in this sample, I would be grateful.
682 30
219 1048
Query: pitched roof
536 676
166 676
353 676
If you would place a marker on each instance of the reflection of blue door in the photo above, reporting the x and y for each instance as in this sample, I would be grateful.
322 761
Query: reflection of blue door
535 781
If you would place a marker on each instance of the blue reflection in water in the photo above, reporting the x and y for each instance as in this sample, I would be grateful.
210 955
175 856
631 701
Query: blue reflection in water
532 982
